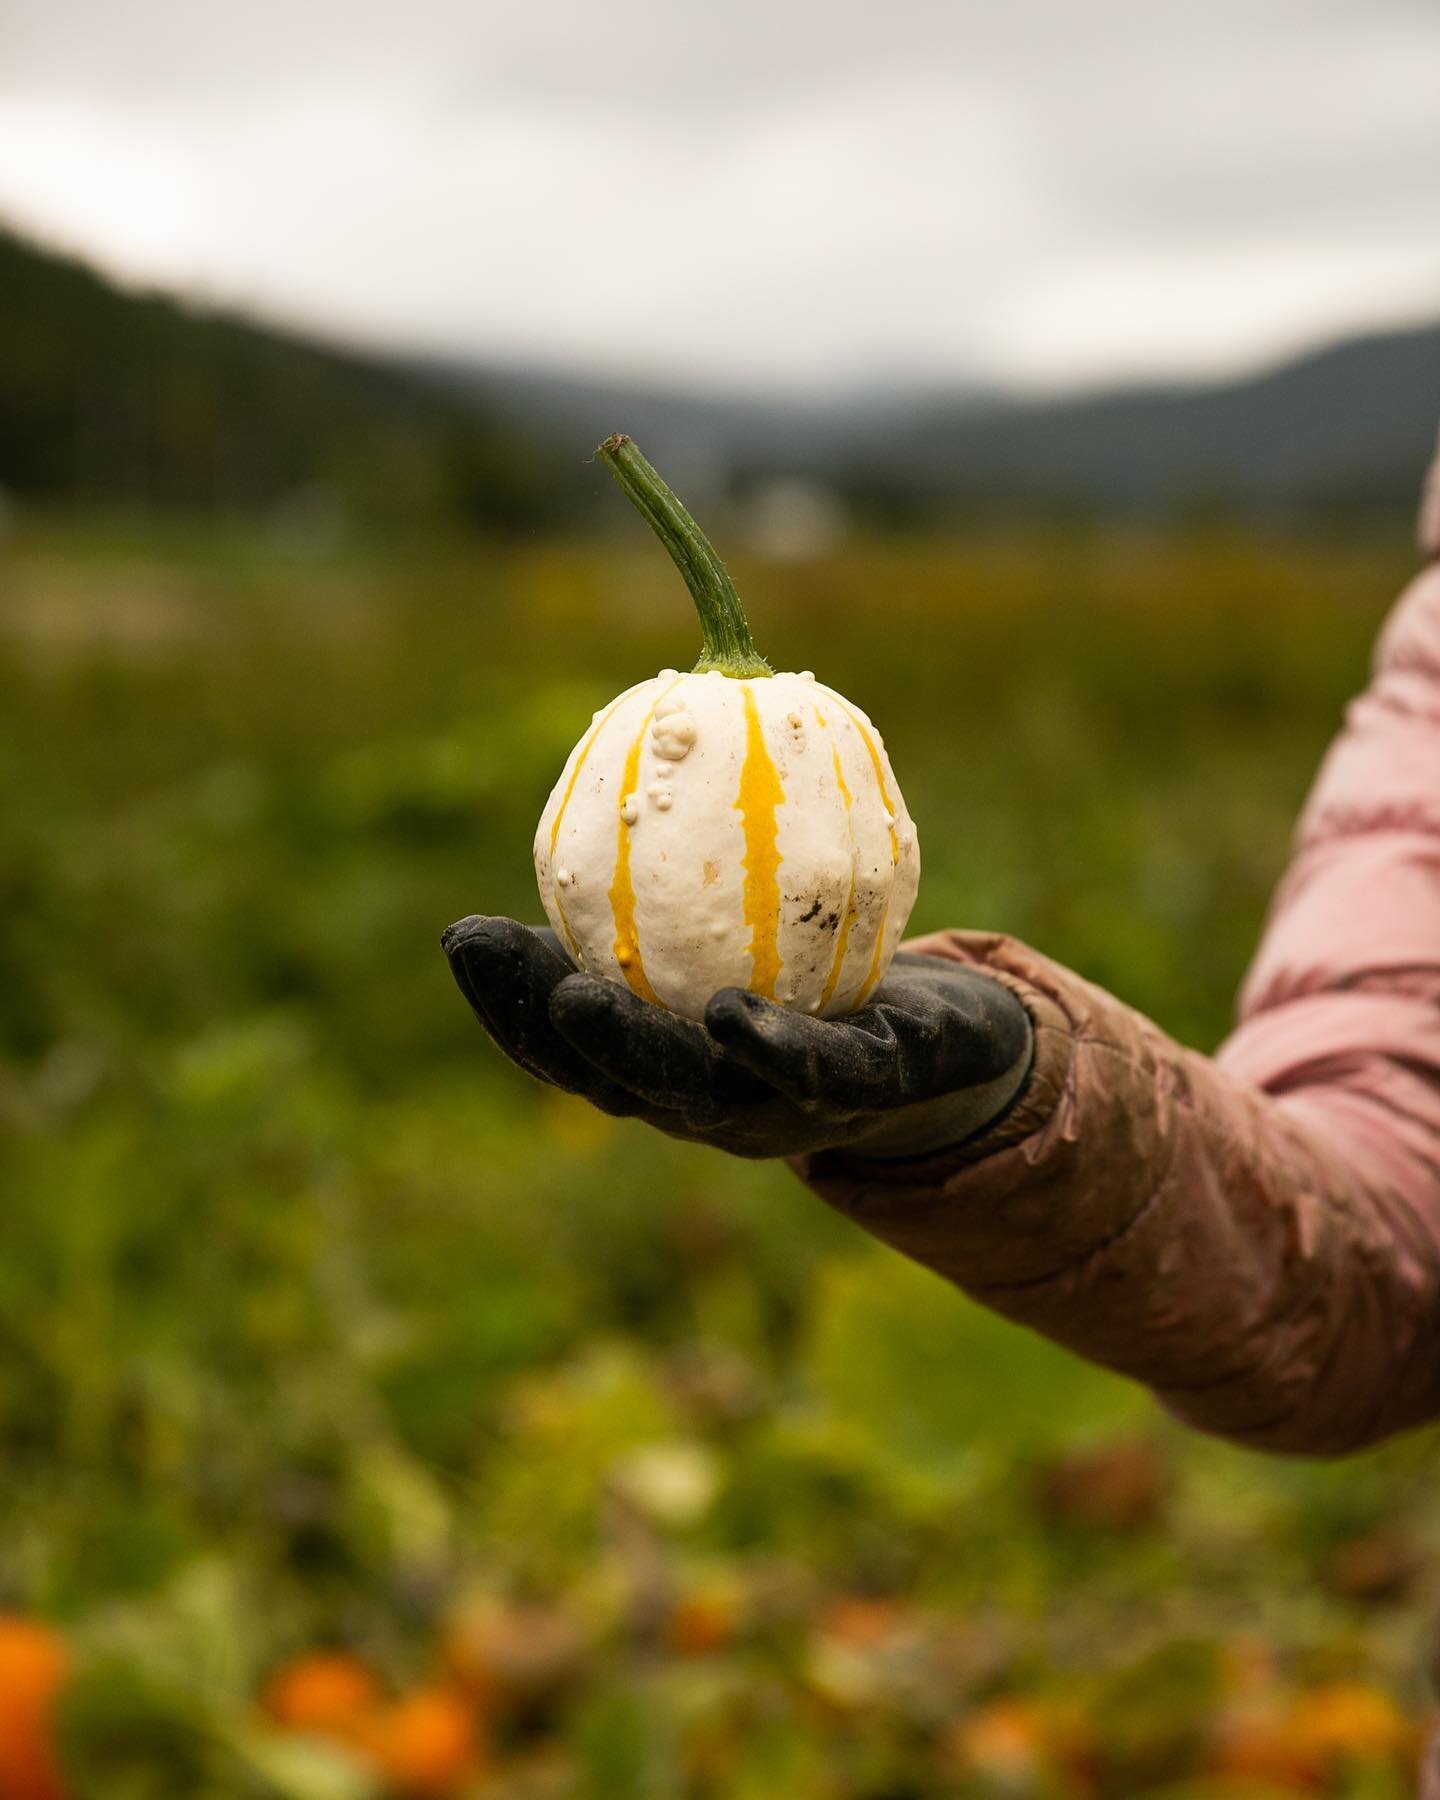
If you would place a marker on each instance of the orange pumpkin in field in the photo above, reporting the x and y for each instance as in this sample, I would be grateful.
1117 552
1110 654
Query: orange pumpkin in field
1015 1741
703 1622
1258 1743
1002 1740
1346 1721
1302 1743
426 1743
328 1692
34 1664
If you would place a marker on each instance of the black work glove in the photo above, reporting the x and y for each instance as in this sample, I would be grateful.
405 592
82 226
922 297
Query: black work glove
937 1053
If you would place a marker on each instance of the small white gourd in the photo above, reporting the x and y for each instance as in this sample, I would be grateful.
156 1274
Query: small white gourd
727 828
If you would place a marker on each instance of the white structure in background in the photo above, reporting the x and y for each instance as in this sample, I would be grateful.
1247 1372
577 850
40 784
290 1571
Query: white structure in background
309 523
793 520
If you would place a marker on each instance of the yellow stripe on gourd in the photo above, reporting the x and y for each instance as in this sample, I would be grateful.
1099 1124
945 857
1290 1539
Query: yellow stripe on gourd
555 823
760 796
873 974
622 889
842 941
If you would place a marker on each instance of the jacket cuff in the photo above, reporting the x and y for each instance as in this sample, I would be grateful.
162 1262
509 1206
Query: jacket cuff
1028 1114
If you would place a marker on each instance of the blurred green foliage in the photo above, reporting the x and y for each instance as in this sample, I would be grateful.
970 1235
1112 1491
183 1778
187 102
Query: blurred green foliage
316 1317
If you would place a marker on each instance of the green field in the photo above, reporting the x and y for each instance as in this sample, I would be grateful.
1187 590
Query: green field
319 1325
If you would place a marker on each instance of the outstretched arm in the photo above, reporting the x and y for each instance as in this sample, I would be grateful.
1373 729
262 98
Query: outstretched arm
1256 1237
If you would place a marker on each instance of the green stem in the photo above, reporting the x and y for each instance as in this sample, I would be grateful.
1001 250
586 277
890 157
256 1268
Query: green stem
725 637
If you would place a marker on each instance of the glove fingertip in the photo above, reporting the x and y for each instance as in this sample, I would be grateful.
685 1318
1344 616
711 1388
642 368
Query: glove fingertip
453 936
734 1012
585 1006
484 934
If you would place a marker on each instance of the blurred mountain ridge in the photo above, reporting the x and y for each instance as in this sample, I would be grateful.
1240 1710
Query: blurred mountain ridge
146 400
1348 428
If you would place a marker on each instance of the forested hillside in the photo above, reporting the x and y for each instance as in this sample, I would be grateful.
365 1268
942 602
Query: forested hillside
136 400
1347 427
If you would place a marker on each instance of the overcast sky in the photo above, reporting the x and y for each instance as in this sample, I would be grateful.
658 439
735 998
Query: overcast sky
807 192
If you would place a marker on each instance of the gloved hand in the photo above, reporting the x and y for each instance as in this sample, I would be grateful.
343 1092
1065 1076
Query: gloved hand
937 1053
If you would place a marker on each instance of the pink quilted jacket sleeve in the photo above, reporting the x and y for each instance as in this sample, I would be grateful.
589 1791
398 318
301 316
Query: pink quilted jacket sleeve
1255 1236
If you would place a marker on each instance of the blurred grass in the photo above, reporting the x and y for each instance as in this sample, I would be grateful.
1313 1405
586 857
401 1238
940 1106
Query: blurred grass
314 1316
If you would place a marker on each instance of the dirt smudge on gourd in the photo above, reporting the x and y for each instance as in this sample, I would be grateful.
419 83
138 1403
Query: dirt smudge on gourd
622 888
760 796
842 941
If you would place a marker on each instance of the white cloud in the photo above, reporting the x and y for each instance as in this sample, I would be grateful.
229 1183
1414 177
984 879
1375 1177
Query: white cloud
761 193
